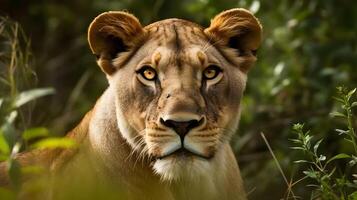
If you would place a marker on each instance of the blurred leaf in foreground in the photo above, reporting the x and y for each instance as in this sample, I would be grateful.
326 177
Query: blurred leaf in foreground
35 133
29 95
55 143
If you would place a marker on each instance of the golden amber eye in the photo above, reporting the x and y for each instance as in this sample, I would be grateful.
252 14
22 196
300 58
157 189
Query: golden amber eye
211 72
148 73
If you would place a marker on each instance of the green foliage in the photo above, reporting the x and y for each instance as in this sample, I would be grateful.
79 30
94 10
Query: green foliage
27 96
33 133
54 143
4 147
15 136
331 181
345 99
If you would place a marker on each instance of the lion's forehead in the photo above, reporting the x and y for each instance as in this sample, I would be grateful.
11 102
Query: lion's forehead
178 44
176 33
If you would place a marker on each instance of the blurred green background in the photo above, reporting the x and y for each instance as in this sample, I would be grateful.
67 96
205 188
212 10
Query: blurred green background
309 48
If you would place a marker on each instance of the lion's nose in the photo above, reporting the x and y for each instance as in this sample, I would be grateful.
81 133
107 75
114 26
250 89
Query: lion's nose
181 127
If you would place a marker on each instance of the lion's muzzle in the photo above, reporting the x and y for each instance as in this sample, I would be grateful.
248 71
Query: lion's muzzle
181 127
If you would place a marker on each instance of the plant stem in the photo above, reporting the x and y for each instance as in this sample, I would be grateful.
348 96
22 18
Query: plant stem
351 131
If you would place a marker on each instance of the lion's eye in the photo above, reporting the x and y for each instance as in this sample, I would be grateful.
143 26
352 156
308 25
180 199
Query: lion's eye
147 73
211 72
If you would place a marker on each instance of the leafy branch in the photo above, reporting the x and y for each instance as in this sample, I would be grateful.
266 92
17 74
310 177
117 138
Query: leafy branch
330 185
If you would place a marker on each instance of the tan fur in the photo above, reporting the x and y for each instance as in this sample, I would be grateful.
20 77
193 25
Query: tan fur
236 22
124 140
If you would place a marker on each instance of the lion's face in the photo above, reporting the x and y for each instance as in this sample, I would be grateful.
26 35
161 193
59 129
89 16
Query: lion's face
178 87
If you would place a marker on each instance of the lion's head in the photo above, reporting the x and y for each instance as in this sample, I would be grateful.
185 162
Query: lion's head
178 86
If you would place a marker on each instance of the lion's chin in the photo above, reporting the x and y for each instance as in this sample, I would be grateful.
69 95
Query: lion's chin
173 168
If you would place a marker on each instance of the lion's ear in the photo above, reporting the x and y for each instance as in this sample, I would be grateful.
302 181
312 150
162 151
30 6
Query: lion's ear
236 28
111 33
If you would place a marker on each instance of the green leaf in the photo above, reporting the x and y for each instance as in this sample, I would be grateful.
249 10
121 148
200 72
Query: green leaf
311 174
11 117
354 104
350 93
316 146
301 161
55 143
338 156
16 148
339 88
35 133
337 114
340 131
254 7
3 157
296 141
298 126
348 140
297 148
352 196
32 169
29 95
4 146
308 141
339 99
8 128
352 163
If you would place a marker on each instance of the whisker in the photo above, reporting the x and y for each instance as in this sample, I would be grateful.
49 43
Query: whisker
140 149
137 144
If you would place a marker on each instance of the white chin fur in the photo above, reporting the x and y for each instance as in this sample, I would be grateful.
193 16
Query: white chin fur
171 169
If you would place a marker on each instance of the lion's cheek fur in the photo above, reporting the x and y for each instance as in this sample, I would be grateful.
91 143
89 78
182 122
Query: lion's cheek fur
129 105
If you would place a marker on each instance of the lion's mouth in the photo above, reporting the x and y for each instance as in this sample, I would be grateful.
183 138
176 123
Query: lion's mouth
184 153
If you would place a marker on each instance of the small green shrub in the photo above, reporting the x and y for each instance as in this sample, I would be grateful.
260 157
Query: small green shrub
330 180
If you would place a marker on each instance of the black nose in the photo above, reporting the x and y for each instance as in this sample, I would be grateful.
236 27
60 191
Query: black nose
181 128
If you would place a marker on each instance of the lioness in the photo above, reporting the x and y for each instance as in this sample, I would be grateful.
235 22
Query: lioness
161 130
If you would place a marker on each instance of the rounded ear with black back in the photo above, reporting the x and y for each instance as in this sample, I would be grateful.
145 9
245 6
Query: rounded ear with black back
238 29
111 33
